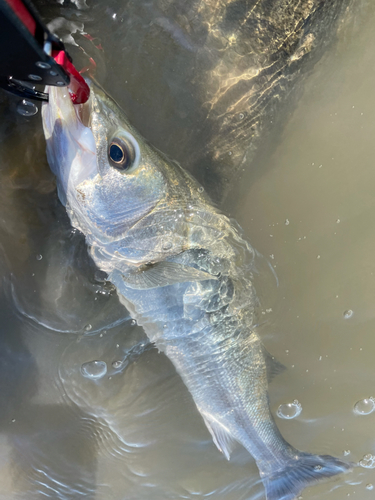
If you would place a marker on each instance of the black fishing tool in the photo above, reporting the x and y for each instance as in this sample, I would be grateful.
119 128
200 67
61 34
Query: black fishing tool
30 55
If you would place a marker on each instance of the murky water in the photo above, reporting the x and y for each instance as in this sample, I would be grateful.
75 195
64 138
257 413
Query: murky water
88 408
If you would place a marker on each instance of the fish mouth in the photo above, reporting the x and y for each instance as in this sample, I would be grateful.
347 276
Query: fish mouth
86 139
71 145
76 116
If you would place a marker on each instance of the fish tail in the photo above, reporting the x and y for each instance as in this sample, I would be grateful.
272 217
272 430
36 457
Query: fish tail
300 472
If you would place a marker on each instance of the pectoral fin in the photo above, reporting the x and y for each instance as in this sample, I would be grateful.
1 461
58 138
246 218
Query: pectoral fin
220 435
163 274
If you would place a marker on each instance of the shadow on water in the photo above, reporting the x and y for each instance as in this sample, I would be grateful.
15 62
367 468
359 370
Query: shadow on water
338 30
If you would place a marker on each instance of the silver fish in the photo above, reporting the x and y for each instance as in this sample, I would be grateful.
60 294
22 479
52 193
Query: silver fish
183 271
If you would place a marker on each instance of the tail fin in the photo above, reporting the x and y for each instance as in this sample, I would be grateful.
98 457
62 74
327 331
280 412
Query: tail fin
301 472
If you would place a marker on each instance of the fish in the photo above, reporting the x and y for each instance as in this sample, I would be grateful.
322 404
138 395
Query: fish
183 271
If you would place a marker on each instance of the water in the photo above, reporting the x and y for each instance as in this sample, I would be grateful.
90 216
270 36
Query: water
134 431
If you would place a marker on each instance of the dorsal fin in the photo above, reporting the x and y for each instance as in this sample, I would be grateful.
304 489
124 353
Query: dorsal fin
274 367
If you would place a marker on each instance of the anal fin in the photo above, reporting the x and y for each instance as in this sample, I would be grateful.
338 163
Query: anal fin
220 435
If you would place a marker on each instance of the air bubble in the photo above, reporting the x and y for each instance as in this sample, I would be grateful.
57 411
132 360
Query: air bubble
27 108
368 461
241 116
94 369
369 486
39 257
117 364
133 322
88 327
200 189
167 245
287 222
318 467
289 410
364 406
348 314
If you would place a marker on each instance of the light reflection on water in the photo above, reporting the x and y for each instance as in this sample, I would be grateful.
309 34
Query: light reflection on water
134 432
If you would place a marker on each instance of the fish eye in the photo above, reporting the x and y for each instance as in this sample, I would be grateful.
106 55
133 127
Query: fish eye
120 154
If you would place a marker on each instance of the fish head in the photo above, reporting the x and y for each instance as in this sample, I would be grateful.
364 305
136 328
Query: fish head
108 176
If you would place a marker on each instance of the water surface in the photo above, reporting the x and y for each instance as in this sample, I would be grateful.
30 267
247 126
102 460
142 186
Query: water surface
89 409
